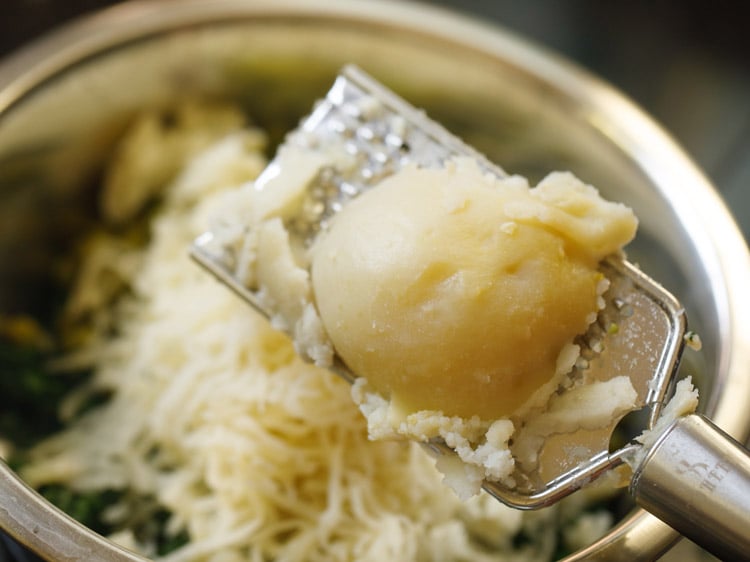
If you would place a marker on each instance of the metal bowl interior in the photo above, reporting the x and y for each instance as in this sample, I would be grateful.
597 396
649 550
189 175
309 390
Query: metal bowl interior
65 100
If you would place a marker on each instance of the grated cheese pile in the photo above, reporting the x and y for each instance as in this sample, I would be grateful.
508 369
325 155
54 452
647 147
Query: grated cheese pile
255 453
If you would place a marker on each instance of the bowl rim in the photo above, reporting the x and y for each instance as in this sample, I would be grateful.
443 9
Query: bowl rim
723 251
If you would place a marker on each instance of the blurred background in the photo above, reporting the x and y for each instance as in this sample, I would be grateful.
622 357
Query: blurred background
686 62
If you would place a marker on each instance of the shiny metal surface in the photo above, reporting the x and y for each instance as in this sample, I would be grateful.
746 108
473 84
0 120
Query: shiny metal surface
35 522
697 479
64 100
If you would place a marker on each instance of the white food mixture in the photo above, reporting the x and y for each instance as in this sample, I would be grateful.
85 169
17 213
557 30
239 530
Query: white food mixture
257 454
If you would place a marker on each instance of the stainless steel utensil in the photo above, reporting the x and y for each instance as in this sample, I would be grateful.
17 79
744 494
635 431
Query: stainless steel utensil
691 460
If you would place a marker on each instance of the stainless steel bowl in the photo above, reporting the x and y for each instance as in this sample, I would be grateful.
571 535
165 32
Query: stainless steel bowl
64 99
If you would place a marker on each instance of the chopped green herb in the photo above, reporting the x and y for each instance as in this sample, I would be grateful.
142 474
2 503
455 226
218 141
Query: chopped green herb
84 507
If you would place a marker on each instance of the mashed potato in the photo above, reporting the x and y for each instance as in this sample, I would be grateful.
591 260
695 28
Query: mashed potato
455 291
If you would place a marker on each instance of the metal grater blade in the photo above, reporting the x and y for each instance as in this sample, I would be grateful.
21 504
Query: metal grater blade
383 133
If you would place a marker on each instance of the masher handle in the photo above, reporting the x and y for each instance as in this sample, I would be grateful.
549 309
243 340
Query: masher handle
696 478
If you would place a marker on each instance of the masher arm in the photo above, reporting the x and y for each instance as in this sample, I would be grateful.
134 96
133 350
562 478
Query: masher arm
696 478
